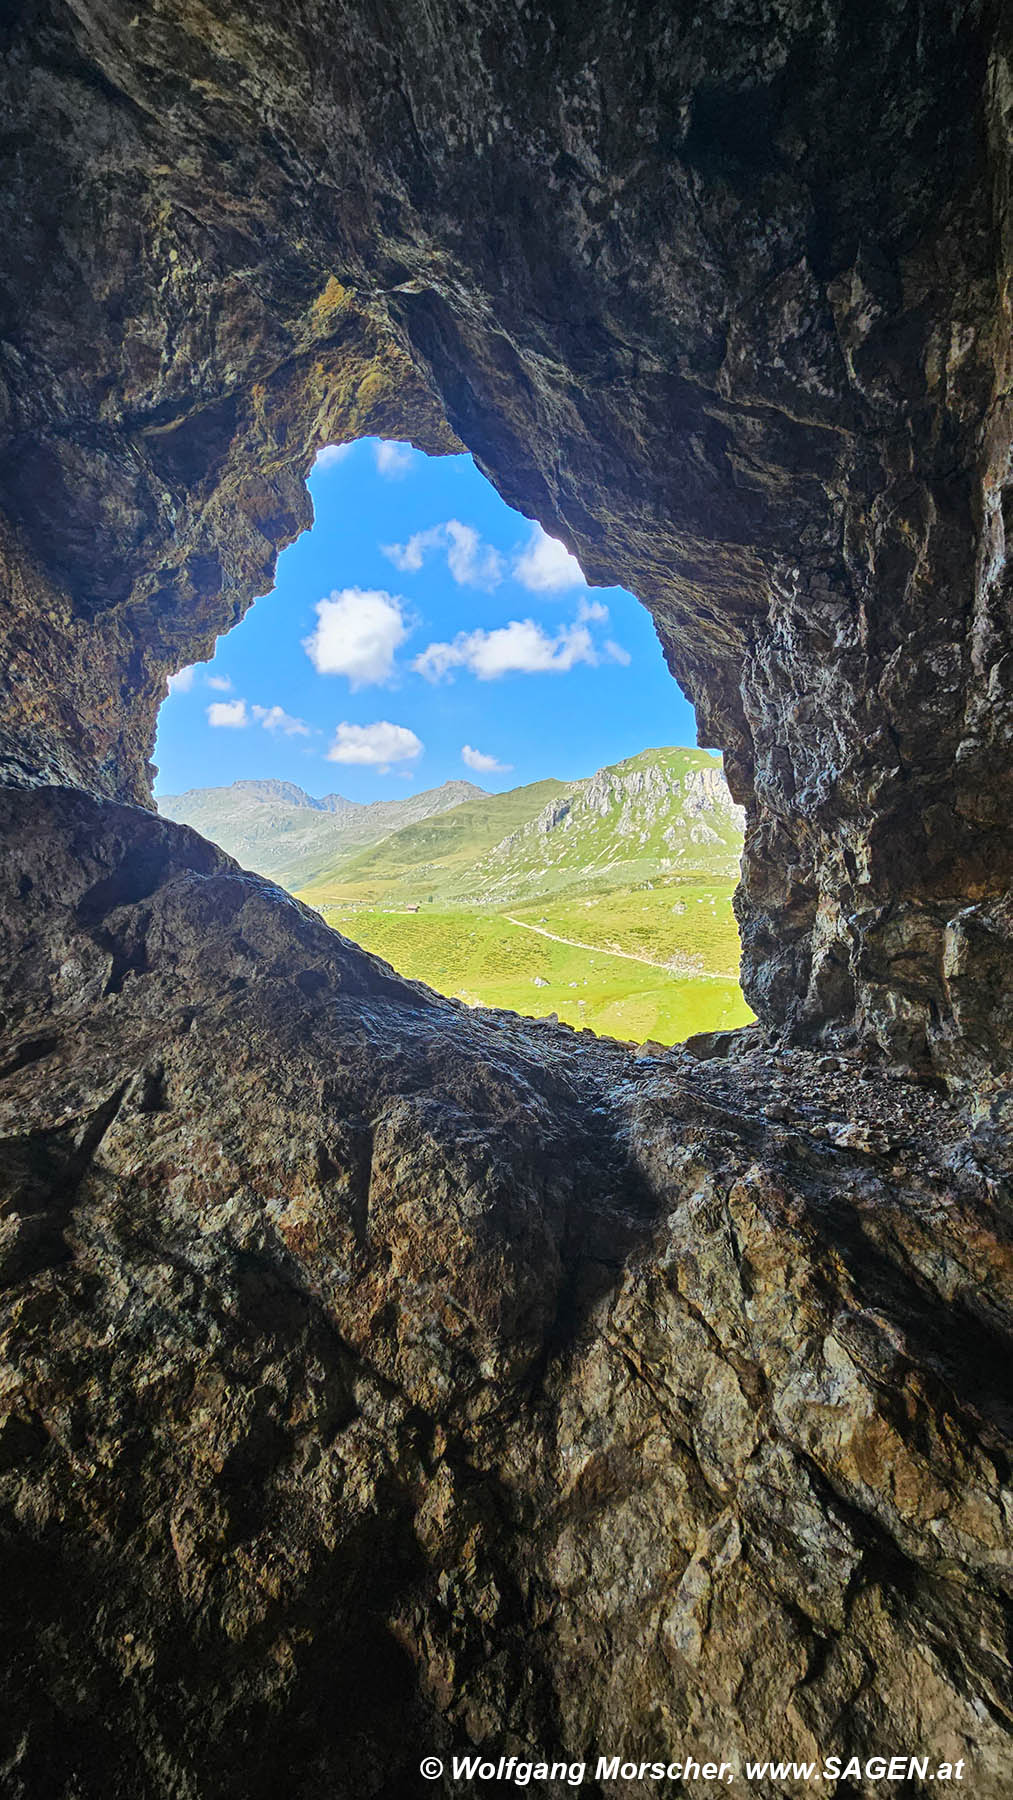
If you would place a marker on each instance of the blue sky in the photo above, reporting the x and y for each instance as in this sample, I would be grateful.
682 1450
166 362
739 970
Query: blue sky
421 632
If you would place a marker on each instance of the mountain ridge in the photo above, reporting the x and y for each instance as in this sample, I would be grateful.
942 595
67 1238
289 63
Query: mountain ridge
281 831
665 812
604 901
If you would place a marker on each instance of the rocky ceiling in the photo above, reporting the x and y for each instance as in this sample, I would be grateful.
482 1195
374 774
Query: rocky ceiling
383 1377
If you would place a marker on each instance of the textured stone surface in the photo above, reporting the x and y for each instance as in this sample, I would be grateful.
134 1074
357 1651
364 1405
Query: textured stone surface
381 1378
378 1376
717 294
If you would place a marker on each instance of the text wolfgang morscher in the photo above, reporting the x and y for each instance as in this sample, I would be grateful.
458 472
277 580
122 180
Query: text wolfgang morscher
521 1771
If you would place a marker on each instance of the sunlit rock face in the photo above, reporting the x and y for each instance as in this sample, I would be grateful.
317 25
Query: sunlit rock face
380 1378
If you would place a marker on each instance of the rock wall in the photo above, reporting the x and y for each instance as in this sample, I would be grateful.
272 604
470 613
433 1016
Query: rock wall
378 1377
382 1379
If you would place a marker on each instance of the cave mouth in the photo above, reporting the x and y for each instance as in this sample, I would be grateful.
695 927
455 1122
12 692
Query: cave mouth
741 345
427 650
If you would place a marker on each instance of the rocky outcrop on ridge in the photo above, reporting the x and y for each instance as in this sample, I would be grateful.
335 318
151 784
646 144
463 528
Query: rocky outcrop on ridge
664 810
380 1378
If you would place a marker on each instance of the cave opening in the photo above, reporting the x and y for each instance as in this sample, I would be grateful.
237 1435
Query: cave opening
437 733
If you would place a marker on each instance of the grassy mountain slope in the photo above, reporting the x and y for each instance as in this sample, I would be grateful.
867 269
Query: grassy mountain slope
606 902
687 926
664 812
436 856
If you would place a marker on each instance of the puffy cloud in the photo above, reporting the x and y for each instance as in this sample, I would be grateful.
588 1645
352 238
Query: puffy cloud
471 562
588 610
521 647
408 558
233 714
221 682
182 681
357 634
477 759
378 745
546 567
331 454
594 612
274 718
394 460
228 712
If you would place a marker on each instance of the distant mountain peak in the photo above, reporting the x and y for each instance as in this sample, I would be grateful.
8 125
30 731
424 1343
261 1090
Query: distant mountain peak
664 812
663 815
281 831
268 789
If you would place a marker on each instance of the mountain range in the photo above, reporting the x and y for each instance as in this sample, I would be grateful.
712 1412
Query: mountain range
663 814
281 831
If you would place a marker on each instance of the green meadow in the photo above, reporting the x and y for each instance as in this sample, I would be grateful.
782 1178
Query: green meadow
605 901
503 959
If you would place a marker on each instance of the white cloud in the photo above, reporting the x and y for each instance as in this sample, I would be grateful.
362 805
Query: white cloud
228 712
594 612
394 460
521 647
273 718
331 454
357 633
408 558
546 567
221 682
182 681
588 610
477 759
471 562
377 746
